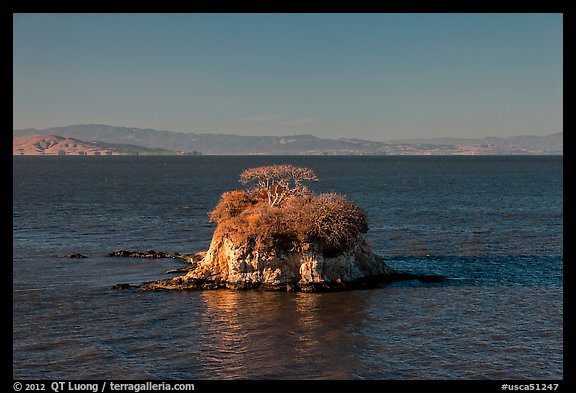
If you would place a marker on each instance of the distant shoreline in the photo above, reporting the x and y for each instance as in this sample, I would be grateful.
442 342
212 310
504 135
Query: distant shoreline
106 139
292 155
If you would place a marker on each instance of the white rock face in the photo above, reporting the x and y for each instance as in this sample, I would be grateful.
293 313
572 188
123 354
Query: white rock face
240 267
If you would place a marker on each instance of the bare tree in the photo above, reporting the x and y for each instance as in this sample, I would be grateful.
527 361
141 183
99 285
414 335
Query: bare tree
278 182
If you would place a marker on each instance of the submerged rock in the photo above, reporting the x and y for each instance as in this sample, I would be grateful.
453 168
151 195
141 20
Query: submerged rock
75 256
124 286
154 254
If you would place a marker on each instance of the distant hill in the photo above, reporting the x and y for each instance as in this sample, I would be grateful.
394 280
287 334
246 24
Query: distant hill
208 143
230 144
35 145
552 142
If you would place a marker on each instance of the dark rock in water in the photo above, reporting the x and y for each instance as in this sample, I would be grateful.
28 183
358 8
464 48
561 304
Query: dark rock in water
427 278
120 253
430 278
124 286
76 256
149 254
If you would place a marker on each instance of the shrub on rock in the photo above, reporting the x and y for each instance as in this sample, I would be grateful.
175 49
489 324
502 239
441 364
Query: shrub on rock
290 217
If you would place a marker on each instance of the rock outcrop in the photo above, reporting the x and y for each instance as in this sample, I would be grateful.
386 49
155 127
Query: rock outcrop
307 269
277 235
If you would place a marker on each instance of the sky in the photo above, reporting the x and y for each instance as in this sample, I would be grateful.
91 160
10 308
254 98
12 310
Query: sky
370 76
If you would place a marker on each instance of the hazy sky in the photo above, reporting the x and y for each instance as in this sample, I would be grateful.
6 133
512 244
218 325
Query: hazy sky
371 76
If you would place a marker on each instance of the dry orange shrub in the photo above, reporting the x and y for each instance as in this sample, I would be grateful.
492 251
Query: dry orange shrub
330 220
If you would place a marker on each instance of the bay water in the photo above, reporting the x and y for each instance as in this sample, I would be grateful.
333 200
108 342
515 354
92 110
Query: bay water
493 226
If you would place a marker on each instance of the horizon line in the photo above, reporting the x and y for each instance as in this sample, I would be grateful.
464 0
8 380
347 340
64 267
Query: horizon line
287 135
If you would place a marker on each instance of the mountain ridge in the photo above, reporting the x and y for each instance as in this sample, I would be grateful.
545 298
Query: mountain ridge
302 144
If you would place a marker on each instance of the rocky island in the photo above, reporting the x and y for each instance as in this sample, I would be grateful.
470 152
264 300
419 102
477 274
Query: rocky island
278 235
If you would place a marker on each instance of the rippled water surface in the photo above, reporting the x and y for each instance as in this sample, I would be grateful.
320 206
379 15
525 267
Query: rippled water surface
491 225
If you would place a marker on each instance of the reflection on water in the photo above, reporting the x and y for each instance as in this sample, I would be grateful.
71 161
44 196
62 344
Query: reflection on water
388 333
280 335
425 332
